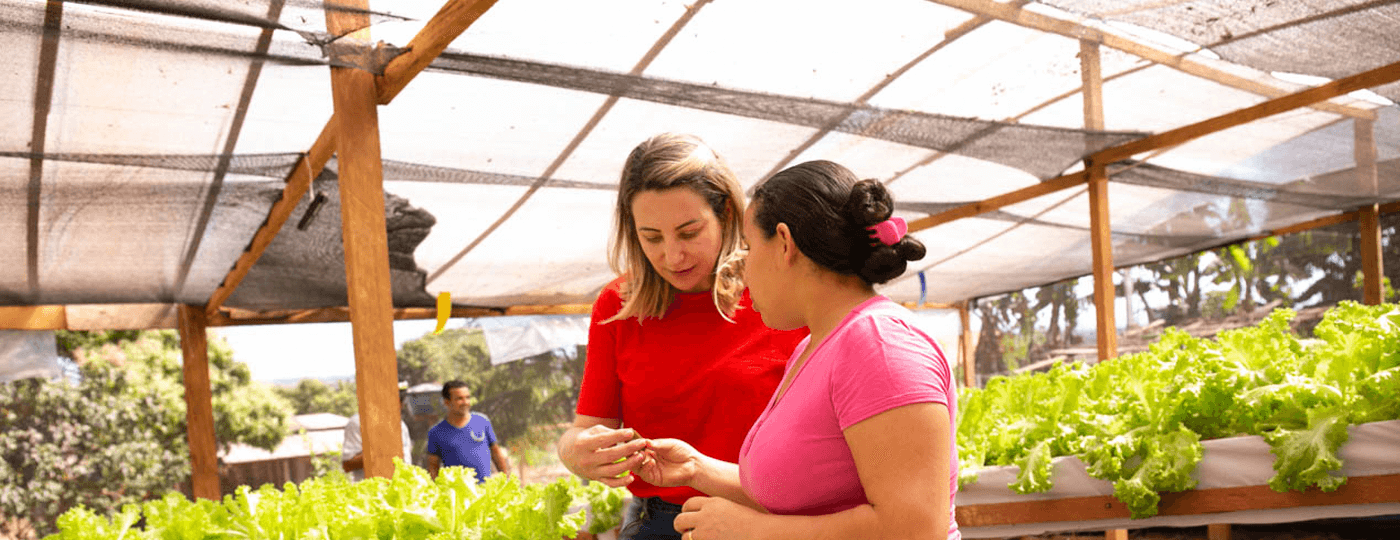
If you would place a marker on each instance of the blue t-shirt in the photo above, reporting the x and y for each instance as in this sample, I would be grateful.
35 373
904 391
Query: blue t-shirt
469 446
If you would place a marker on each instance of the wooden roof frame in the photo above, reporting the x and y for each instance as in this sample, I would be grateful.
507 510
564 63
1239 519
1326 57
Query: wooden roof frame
429 44
353 129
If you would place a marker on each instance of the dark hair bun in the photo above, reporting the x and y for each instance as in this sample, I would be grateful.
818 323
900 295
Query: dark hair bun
870 203
829 211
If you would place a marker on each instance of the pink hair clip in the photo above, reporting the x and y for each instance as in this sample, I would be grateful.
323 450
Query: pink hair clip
890 231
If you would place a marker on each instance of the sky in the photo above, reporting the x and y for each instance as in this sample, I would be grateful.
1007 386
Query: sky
318 350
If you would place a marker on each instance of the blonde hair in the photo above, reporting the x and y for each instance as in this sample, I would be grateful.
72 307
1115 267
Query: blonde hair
668 161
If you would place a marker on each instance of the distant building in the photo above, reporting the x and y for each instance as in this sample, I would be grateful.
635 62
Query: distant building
290 461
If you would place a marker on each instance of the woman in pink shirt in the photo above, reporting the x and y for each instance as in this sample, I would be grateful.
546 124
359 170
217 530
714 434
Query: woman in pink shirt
858 440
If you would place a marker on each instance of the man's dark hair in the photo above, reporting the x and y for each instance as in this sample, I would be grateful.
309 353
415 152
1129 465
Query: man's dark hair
447 388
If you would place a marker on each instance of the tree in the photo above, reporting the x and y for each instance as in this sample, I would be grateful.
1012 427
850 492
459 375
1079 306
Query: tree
314 396
117 434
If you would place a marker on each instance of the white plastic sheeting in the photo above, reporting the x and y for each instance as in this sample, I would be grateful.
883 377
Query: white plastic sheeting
946 106
25 354
514 338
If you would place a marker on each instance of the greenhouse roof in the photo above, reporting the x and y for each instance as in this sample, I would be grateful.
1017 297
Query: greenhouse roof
144 142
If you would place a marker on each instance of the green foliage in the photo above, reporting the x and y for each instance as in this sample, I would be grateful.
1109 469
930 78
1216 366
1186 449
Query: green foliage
98 443
1138 420
537 391
117 435
314 396
410 505
244 411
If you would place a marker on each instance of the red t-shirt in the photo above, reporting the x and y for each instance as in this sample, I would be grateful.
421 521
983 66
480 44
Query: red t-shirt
690 375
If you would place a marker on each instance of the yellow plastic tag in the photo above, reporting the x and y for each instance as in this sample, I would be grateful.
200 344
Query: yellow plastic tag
444 310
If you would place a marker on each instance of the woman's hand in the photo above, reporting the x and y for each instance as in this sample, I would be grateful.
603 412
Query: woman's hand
713 518
603 454
669 463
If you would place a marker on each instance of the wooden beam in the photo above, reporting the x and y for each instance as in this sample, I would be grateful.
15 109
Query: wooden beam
1052 185
366 246
90 317
1091 73
1368 182
1218 531
1116 534
1037 21
165 316
1102 238
1357 490
1327 221
1172 138
241 317
965 349
199 408
122 316
449 22
928 305
307 168
33 318
1381 75
436 35
561 309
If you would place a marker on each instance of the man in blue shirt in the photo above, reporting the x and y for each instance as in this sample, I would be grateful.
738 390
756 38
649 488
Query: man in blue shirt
464 438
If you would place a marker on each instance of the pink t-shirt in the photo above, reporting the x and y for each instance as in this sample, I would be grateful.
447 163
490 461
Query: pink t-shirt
795 459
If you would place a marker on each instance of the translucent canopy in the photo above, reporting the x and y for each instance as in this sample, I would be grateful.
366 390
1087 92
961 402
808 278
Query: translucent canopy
143 142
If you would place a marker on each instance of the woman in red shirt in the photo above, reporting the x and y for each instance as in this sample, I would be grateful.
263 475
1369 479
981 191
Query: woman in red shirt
670 355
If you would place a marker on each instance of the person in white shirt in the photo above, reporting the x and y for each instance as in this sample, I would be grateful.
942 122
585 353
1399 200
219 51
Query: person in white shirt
352 458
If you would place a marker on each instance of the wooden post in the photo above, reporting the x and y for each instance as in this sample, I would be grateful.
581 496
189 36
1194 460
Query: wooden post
1367 180
1102 238
199 404
969 356
366 246
1101 233
1218 531
1372 264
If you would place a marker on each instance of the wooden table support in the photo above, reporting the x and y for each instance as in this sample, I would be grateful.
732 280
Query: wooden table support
1358 490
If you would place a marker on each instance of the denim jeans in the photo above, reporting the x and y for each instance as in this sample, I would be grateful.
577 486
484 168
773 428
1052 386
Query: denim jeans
650 519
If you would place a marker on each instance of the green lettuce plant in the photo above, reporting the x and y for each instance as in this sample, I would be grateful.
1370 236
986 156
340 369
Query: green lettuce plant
1138 421
408 505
